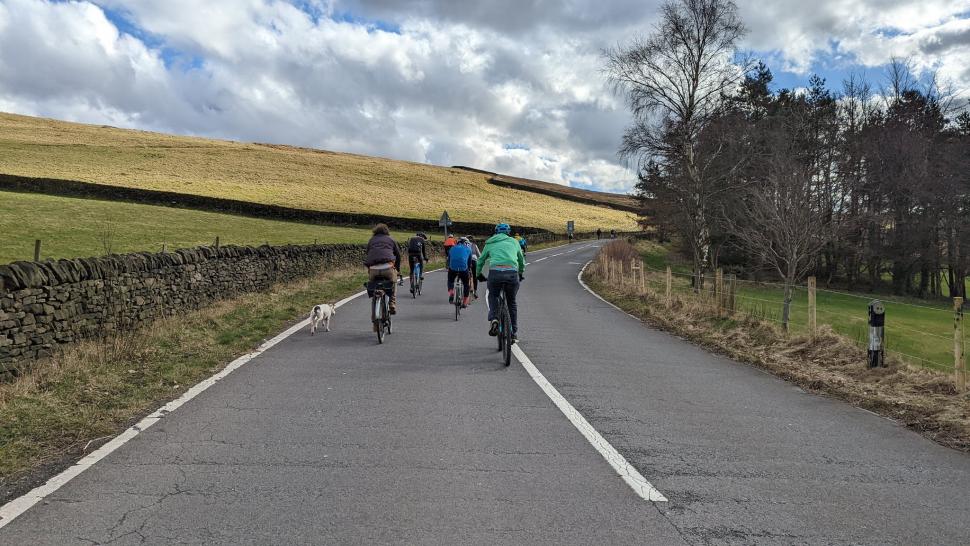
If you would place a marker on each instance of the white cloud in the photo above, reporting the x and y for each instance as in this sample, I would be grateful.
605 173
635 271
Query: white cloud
441 81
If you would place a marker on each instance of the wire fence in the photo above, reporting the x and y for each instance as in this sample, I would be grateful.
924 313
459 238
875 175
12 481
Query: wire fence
934 337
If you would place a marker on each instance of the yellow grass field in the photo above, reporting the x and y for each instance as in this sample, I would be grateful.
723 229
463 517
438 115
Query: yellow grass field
278 175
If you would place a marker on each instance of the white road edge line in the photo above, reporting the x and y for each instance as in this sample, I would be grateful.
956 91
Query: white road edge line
18 506
13 509
624 469
590 290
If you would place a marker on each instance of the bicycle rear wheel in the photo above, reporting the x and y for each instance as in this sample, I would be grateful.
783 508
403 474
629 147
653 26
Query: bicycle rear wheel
506 334
378 317
459 294
501 305
388 319
414 284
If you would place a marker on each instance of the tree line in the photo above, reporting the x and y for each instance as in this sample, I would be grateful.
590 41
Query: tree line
866 187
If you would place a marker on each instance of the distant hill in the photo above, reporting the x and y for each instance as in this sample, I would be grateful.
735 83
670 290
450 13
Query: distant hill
284 176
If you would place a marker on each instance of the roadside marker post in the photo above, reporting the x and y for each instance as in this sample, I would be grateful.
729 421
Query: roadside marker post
959 363
877 332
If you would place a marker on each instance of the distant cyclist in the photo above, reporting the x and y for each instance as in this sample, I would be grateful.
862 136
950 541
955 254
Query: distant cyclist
383 260
459 267
506 269
523 242
418 253
476 253
450 241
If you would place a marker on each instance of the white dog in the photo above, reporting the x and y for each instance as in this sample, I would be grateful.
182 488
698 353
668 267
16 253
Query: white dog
321 313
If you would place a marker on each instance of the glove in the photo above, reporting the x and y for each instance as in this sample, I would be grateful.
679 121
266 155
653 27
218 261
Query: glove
482 278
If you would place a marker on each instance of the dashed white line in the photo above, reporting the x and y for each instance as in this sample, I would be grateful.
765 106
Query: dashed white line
624 469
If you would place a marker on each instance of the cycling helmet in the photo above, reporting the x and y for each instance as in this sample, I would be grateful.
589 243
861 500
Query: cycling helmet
503 228
422 234
464 240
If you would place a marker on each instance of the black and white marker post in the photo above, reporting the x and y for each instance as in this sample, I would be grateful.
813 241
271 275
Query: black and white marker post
877 334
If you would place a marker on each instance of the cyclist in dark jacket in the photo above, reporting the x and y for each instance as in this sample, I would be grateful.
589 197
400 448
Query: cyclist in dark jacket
383 260
418 252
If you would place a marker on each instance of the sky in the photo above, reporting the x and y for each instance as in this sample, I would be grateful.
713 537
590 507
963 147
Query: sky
513 86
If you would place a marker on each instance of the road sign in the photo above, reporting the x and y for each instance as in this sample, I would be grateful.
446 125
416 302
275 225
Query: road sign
570 226
444 222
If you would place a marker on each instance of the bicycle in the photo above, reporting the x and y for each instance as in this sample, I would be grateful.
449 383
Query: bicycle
416 281
459 296
380 308
504 329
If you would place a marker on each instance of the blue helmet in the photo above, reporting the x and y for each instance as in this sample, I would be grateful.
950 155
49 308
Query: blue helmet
503 228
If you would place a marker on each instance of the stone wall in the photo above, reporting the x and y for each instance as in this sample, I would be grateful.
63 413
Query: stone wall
46 304
55 302
74 188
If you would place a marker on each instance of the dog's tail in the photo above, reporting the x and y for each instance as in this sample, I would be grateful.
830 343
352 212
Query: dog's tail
315 312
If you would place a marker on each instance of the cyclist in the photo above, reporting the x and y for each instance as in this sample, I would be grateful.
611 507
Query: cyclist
449 242
383 260
476 252
506 270
459 265
523 243
418 253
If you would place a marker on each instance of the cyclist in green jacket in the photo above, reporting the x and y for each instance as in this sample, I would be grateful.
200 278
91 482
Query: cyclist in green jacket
506 270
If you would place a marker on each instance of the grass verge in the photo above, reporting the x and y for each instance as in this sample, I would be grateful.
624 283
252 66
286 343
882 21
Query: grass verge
74 228
68 405
919 332
922 399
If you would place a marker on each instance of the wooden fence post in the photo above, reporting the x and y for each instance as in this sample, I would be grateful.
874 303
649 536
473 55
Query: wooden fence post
703 283
163 248
732 287
37 250
669 287
719 290
812 322
217 242
959 364
643 277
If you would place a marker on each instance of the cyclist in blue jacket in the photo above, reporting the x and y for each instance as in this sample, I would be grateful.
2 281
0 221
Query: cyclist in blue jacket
459 264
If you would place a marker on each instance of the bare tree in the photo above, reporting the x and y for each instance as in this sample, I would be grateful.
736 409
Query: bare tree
778 220
674 81
107 231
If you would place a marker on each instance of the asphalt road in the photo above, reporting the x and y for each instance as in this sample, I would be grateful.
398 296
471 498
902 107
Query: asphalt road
428 439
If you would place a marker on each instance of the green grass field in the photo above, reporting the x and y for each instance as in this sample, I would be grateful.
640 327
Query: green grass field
72 228
279 175
916 331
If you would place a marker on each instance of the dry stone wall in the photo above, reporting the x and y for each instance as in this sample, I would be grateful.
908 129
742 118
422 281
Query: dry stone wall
47 304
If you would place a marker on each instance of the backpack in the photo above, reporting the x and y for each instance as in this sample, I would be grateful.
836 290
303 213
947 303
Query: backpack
415 245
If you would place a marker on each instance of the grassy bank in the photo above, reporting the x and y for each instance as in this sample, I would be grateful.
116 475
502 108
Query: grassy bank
922 399
279 175
68 405
920 332
73 228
